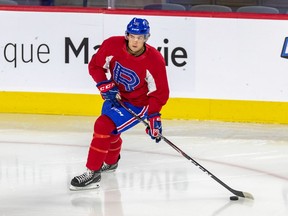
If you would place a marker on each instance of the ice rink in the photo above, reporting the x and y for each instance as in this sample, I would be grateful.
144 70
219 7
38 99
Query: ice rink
39 154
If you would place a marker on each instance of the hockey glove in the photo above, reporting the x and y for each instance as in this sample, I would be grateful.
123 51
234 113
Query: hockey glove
155 126
109 91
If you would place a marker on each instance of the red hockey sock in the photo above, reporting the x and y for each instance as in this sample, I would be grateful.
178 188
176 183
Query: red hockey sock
114 150
100 143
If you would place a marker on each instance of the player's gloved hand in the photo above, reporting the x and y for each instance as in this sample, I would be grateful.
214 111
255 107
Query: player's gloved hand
155 126
109 91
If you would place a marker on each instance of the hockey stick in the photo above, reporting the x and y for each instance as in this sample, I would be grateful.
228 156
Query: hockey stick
235 192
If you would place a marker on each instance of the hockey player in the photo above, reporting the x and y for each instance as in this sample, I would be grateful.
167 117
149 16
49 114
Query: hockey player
125 68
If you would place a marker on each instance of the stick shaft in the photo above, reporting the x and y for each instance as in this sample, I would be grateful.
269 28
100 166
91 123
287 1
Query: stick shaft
235 192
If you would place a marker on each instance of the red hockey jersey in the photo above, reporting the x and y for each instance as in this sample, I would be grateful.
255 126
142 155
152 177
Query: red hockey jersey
141 80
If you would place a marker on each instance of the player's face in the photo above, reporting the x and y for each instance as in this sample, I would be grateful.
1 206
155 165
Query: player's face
136 42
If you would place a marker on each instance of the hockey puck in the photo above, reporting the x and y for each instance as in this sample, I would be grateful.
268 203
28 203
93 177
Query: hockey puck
234 198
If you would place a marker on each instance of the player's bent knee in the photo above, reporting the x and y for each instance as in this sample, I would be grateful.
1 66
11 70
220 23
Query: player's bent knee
104 125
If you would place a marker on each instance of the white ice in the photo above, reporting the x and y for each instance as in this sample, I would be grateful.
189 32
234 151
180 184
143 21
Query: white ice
40 154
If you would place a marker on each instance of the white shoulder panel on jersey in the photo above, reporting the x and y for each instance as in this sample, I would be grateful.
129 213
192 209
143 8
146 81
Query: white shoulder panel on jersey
151 82
107 62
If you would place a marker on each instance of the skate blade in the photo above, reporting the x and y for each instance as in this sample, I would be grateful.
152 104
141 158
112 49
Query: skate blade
89 187
109 171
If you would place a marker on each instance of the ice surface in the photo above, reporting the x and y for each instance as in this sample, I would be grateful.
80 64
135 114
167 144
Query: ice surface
39 154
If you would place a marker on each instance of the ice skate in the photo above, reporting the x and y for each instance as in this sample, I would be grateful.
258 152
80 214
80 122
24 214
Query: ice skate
109 168
88 180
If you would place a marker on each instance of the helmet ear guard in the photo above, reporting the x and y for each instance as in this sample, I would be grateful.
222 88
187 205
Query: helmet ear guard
147 37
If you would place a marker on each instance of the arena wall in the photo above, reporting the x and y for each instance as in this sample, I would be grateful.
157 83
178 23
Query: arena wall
228 67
